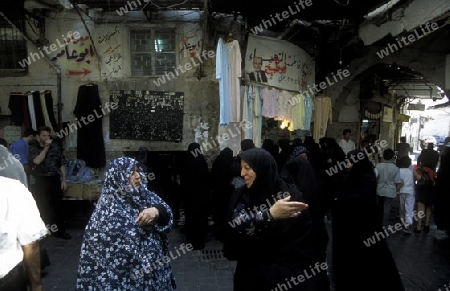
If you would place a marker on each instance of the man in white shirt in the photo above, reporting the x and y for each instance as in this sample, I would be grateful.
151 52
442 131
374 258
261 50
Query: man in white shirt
346 143
388 183
21 228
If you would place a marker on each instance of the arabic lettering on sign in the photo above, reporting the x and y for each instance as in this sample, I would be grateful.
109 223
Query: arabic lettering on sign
115 70
292 80
190 45
107 36
277 65
294 61
76 54
111 49
112 59
306 74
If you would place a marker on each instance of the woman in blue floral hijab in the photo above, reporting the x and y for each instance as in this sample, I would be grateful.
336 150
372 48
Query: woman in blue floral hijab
125 245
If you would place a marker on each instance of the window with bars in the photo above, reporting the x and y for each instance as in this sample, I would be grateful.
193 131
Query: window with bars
13 49
152 52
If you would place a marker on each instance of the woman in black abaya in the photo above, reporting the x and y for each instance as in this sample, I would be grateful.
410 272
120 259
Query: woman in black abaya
273 242
299 171
441 213
195 190
221 176
357 263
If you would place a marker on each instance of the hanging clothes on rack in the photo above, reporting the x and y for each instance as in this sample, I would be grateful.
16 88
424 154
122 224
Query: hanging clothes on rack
234 63
247 112
298 112
257 116
38 112
45 112
269 99
90 143
223 75
322 115
32 111
26 112
309 107
49 108
284 110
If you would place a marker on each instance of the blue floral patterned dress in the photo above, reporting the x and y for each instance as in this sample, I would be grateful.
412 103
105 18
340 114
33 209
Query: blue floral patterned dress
117 253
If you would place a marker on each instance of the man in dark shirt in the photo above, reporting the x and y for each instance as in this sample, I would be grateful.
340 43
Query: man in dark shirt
257 75
49 169
403 148
429 157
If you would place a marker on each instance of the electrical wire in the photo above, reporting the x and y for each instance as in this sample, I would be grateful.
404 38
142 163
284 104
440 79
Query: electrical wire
167 7
337 1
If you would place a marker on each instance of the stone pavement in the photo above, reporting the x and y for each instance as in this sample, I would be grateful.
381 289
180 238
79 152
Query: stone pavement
423 260
196 270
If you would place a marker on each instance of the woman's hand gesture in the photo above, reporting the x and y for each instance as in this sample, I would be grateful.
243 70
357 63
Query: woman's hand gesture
284 208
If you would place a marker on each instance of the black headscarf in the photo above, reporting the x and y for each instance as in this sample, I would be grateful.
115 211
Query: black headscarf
193 146
270 146
247 144
360 180
195 178
267 182
305 179
221 168
298 150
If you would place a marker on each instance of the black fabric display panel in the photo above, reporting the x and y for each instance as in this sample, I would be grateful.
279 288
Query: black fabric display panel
49 107
40 121
15 105
90 143
147 115
26 112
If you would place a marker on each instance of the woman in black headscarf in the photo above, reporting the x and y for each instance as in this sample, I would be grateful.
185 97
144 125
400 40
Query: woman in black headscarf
195 189
441 213
247 144
272 230
355 223
331 155
221 176
237 181
299 171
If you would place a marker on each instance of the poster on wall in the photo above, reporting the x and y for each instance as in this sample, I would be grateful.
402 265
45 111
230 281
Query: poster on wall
278 63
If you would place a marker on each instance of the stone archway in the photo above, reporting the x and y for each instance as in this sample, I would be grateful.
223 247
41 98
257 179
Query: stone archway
430 66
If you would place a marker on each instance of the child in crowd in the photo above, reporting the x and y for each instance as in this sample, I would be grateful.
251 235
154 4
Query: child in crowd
407 197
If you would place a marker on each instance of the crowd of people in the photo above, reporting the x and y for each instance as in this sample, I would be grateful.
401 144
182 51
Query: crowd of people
254 237
270 208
